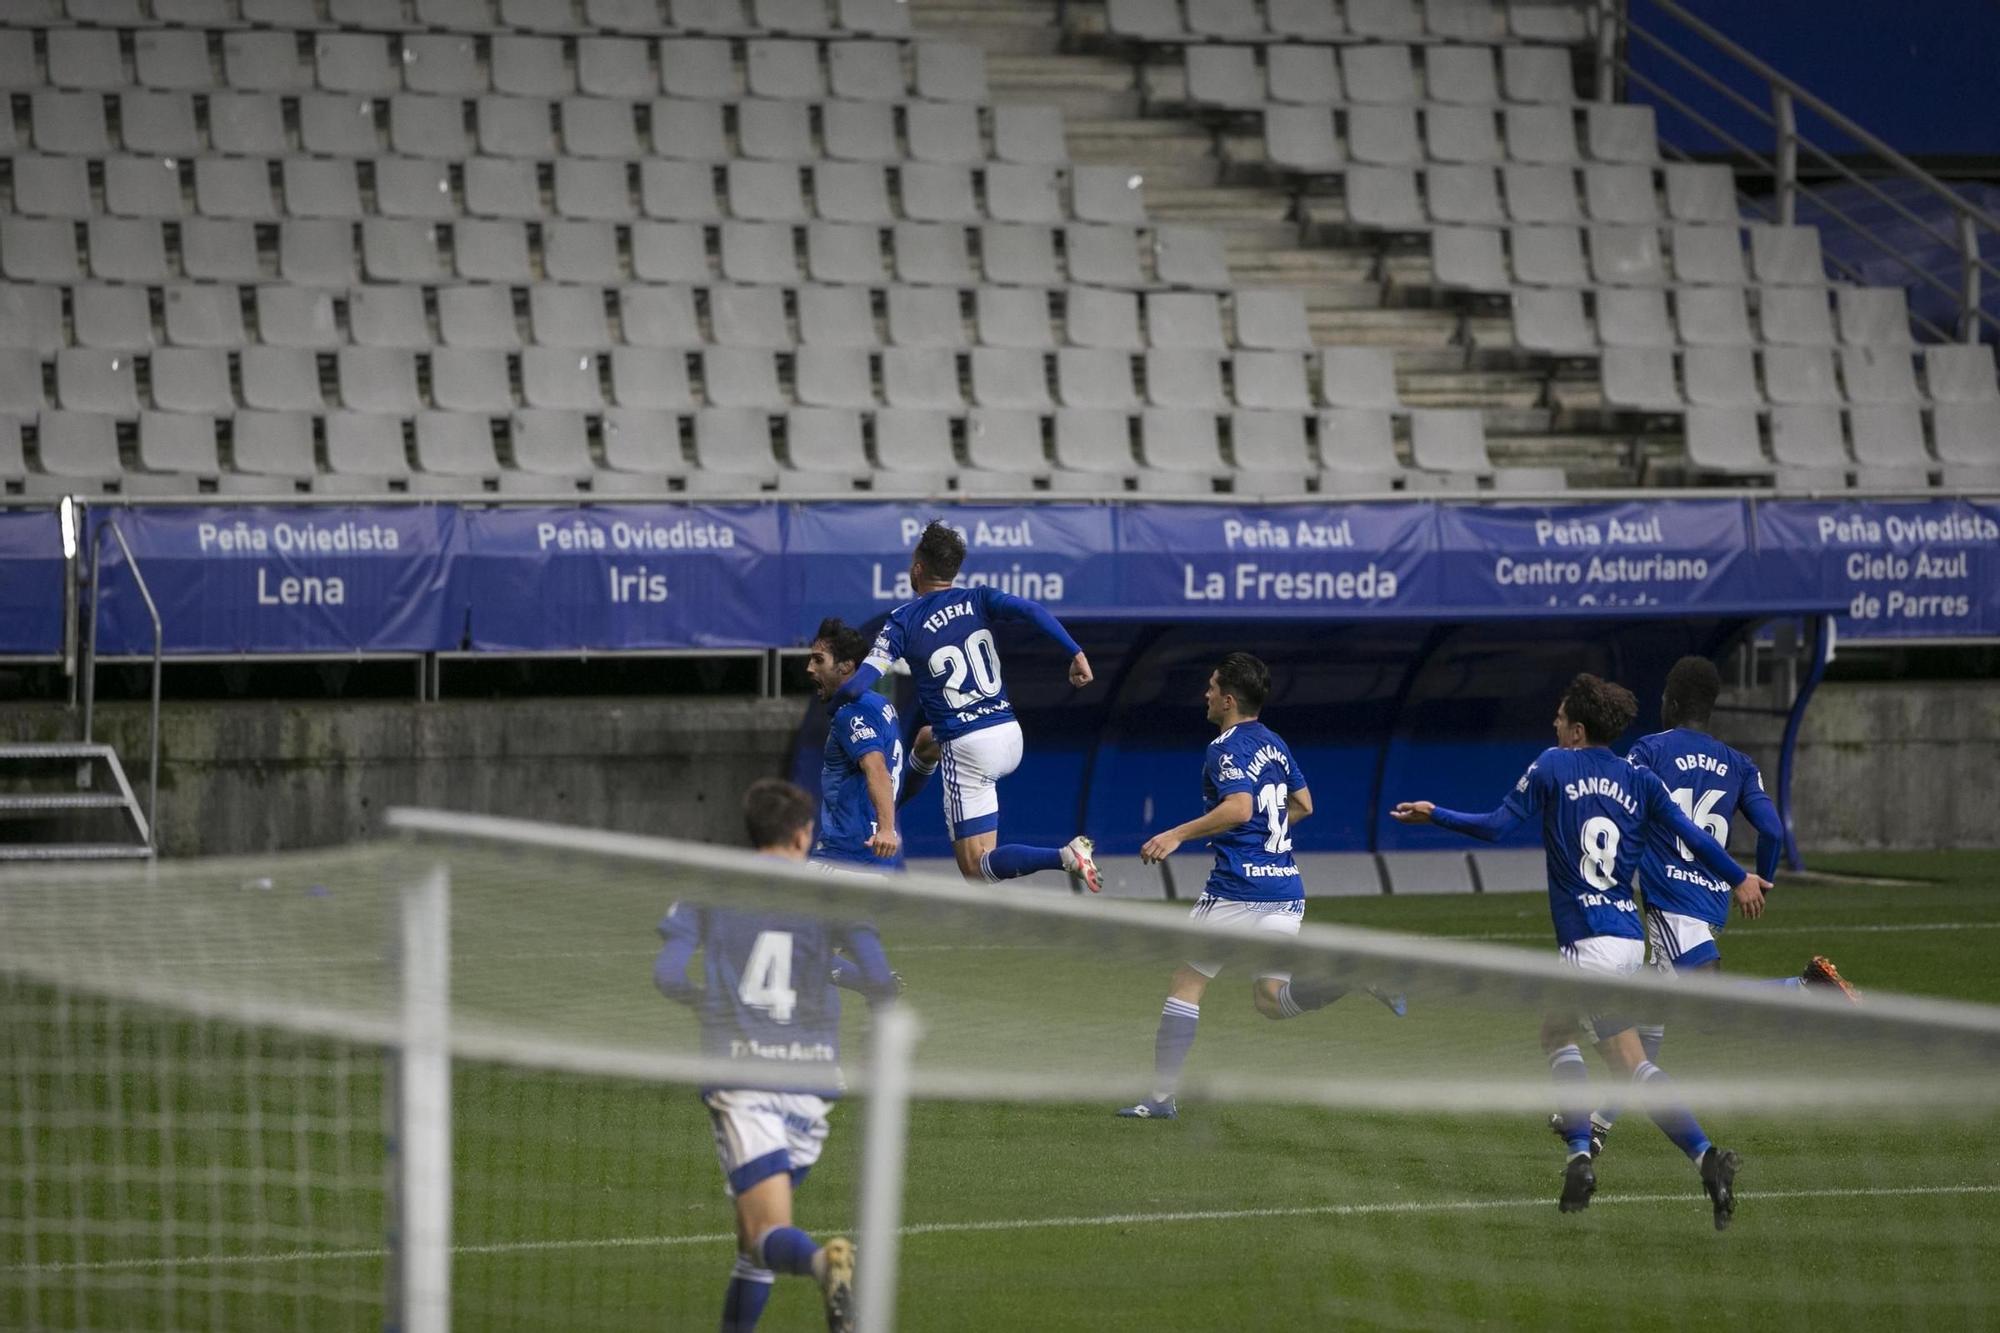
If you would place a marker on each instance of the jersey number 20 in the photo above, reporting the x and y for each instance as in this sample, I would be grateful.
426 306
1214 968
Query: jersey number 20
979 659
767 976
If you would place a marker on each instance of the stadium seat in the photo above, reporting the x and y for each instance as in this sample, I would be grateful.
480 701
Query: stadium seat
1378 136
924 317
1967 436
1879 374
1271 320
1461 74
1639 377
948 132
1634 317
147 187
1270 453
1384 197
1552 321
1362 377
196 315
1357 453
410 188
844 253
1540 134
833 377
1093 450
1464 134
824 449
1721 377
741 316
1620 132
92 380
921 377
1547 256
1305 75
1302 139
471 379
1463 195
1808 439
550 449
1270 380
271 453
1017 317
1470 257
1874 316
1795 315
21 392
1618 192
1786 255
1724 440
1304 20
389 316
79 447
1378 74
1709 255
1095 317
1961 373
1224 20
113 318
1023 192
1005 450
192 379
1449 440
939 192
913 447
1180 450
1888 441
365 454
1627 256
1009 378
454 452
1800 376
852 192
1536 74
642 450
1712 316
1095 378
650 377
933 254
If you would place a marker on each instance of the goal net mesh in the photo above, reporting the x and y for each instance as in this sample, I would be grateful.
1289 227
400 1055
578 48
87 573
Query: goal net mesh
200 1061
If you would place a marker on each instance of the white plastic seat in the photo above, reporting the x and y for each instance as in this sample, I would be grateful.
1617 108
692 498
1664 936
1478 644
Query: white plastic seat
1888 438
774 131
1627 256
1634 317
1808 437
1786 255
949 132
1022 192
759 252
1190 257
1461 74
642 449
835 317
1014 254
1967 434
1304 20
740 377
863 132
1095 377
1712 316
147 187
938 192
1470 257
1542 194
658 315
1092 444
1305 75
865 71
921 377
689 131
1640 378
1537 74
270 452
1020 133
79 447
158 124
1547 256
932 254
833 377
1380 74
1795 315
1181 451
1544 134
1463 195
913 448
732 450
1376 135
1384 197
127 249
852 192
924 317
824 448
92 380
1620 192
402 250
844 252
1884 375
1004 449
1709 256
1184 378
1301 139
1097 317
115 319
1275 380
1721 377
1725 440
551 451
1014 317
1874 316
950 72
1357 451
454 450
530 66
742 316
1961 373
1468 134
31 316
192 379
196 315
1270 454
342 124
1184 319
669 252
650 377
1800 376
1359 377
700 68
518 127
561 378
593 191
1271 319
1622 132
1552 321
1007 377
1449 440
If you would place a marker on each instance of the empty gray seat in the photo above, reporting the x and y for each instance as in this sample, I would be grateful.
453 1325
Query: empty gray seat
1184 319
1888 439
1463 20
824 447
885 17
196 315
1269 450
732 450
1020 133
66 122
92 380
1712 316
1356 450
1144 20
141 187
1463 195
1302 139
550 449
1095 377
1184 378
1304 20
844 252
759 252
1878 374
921 377
1376 135
280 379
1615 192
1097 317
1709 255
413 188
924 317
1271 380
599 127
748 316
650 377
319 188
948 132
836 317
1094 447
20 382
1381 74
1109 256
1797 315
1462 74
402 250
81 446
1384 197
264 62
1462 134
341 124
316 253
699 68
1271 319
158 124
689 131
1449 440
355 63
1224 20
765 192
1959 373
1874 316
864 132
567 316
1470 257
426 126
1548 256
526 66
1021 192
914 445
444 62
234 188
477 317
657 315
1306 75
1967 435
127 249
1634 317
1808 437
669 252
378 379
1540 193
1721 377
807 16
740 377
270 452
615 67
1701 193
833 377
1639 377
115 319
1544 134
1536 74
1107 194
192 379
454 452
774 131
1552 320
642 448
56 187
1622 132
388 316
938 192
1725 440
1019 254
499 187
1627 256
1786 255
784 69
1181 451
515 126
1800 375
31 317
1359 377
865 71
170 58
932 254
950 72
593 191
561 378
1005 450
852 192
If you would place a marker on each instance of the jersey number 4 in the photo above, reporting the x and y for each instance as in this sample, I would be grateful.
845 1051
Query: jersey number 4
767 976
1275 801
1703 813
979 659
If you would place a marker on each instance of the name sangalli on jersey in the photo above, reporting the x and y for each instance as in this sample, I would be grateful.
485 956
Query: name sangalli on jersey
1597 785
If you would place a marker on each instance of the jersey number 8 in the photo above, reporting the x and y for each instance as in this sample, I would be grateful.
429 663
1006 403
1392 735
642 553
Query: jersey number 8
1599 864
979 659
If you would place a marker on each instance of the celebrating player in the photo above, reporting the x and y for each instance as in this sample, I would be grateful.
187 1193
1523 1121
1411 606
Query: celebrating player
1593 807
946 636
863 762
767 995
1253 791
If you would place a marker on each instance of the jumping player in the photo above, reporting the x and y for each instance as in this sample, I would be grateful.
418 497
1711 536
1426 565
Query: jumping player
863 762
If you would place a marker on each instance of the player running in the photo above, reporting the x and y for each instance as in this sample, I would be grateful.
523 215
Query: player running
1685 910
946 636
1593 807
767 995
863 762
1253 791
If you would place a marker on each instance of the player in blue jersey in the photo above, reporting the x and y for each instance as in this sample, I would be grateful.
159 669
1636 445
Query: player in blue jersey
946 636
766 997
862 764
1685 908
1252 790
1595 809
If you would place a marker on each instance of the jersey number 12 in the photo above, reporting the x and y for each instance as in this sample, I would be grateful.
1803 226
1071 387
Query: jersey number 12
767 976
1275 801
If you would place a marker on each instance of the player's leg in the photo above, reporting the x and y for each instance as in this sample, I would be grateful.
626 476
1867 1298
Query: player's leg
1623 1051
1281 994
1572 1080
767 1142
1674 944
972 766
1820 975
1179 1018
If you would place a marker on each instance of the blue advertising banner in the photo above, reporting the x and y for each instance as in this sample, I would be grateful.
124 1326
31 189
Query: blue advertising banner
1197 560
1632 556
1922 569
249 579
853 560
638 576
31 583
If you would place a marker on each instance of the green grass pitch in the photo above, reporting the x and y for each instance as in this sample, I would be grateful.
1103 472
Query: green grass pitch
596 1204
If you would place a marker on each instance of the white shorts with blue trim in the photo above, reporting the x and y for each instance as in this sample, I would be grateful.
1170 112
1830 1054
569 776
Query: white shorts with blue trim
1283 916
1610 955
762 1134
1680 941
971 767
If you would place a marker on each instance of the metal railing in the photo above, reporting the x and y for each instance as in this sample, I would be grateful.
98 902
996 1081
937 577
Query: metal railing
1976 231
89 663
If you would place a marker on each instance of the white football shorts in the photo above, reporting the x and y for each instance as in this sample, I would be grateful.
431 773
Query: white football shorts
971 767
1611 955
1283 917
760 1134
1680 941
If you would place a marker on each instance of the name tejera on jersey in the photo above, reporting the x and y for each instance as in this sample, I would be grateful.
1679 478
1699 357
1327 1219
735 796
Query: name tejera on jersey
344 538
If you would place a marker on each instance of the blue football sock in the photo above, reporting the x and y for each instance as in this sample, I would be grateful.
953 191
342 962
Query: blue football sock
1171 1044
1651 1039
1014 861
1674 1120
787 1250
1572 1080
1297 997
749 1288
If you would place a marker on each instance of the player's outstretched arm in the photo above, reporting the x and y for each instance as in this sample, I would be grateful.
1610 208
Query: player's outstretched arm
884 843
1006 606
1233 810
1489 827
681 933
1762 812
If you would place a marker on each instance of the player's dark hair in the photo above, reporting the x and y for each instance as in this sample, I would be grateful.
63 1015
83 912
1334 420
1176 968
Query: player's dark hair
1692 687
844 643
941 550
1245 679
774 811
1602 708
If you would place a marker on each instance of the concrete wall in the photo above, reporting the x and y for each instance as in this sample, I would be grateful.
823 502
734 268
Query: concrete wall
1892 765
247 777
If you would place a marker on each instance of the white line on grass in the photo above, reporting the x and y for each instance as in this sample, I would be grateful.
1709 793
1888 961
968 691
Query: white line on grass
1017 1224
1825 928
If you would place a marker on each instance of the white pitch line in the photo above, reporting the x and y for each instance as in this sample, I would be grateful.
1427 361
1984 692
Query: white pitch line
1019 1224
1828 928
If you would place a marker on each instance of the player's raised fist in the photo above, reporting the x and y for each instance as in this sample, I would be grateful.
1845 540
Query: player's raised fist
1079 671
885 843
1750 896
1412 812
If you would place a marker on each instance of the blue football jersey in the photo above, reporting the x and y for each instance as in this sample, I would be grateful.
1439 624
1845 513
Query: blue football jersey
1253 861
767 993
1710 782
947 638
846 815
